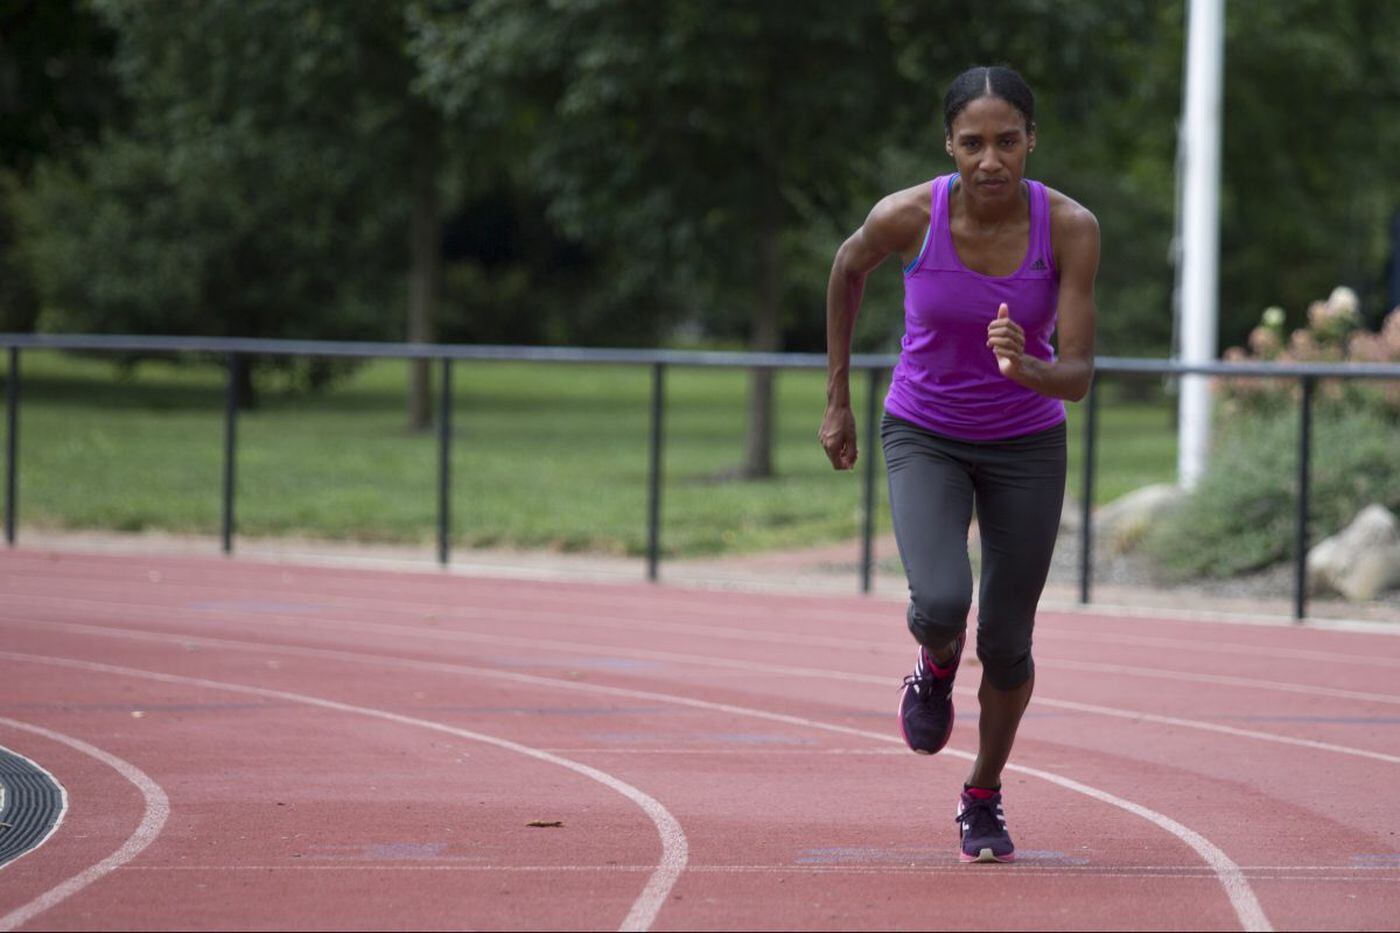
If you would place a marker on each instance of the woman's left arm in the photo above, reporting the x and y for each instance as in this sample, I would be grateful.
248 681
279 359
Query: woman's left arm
1076 233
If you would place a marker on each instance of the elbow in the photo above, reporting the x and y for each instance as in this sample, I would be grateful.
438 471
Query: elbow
842 271
846 268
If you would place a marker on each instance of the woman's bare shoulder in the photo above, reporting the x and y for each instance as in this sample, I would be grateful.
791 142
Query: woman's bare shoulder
900 217
1068 216
1074 235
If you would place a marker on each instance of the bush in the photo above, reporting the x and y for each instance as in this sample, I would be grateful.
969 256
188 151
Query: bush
1241 516
1334 334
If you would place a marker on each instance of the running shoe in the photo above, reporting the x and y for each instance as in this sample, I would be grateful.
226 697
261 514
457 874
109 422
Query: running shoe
982 827
926 703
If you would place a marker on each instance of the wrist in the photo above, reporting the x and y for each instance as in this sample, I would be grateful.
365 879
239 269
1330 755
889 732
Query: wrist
838 395
1027 374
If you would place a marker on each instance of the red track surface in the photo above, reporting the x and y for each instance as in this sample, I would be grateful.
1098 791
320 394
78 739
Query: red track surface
358 749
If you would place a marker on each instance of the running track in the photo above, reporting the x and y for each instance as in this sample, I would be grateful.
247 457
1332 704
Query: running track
262 746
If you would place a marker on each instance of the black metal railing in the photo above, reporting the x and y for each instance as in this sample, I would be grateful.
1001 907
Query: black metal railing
235 352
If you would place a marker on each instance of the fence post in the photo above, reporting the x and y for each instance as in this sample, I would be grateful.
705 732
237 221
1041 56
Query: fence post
1086 494
658 404
1300 555
12 446
445 465
867 553
230 447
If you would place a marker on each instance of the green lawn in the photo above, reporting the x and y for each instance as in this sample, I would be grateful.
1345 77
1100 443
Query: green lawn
544 456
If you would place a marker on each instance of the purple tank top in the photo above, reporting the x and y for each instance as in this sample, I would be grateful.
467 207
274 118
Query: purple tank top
947 379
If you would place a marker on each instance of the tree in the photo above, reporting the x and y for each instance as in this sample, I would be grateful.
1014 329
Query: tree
278 167
56 94
1310 99
1312 125
268 185
694 136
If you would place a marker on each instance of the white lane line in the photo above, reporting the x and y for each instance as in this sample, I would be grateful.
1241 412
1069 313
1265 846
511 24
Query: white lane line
826 674
526 616
1210 727
1222 679
645 654
687 658
748 666
766 750
1023 870
564 594
1210 646
1241 896
674 850
1182 617
62 801
152 821
1237 888
911 867
442 612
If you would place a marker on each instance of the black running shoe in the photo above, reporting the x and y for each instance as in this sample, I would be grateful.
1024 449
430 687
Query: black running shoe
926 703
983 830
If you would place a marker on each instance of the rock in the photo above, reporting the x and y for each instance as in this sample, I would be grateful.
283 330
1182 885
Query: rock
1069 515
1119 526
1360 562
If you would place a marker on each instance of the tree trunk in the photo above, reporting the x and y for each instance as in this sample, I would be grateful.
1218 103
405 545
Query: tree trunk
766 336
425 243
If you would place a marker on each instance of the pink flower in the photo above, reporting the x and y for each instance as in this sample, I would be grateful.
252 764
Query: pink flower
1301 344
1318 315
1264 341
1366 348
1390 332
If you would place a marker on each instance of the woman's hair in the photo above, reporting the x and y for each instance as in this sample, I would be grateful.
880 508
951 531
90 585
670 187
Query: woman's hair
994 81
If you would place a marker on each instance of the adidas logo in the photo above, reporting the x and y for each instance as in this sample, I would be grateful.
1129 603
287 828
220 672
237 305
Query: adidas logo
1038 264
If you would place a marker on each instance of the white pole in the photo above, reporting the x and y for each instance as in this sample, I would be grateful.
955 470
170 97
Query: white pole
1200 228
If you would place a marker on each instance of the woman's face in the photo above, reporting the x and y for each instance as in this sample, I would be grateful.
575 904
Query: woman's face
989 142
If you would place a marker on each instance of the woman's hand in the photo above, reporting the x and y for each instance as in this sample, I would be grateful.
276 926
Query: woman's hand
1008 341
838 436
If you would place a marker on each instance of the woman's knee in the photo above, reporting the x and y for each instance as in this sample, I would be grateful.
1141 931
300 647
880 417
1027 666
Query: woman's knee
935 619
1005 656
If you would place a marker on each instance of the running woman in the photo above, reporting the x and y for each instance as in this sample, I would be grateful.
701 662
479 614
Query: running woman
974 418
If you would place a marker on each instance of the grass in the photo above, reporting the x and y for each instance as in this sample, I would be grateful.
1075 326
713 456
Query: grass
550 456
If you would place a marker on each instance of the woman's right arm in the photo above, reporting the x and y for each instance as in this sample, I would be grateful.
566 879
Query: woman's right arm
894 224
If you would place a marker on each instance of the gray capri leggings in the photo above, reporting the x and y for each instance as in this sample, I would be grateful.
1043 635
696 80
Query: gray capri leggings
1017 486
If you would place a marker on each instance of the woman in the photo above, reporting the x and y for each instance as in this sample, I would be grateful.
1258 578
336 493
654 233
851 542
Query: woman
974 417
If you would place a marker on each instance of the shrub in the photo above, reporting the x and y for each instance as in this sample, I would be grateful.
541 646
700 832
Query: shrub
1241 517
1334 334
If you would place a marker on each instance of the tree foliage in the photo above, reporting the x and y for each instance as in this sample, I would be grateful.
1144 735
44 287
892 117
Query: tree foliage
1312 125
612 168
56 94
259 189
681 132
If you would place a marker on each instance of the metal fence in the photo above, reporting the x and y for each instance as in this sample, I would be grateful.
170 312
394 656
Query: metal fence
235 351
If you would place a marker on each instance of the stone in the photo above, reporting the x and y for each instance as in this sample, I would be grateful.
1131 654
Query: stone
1361 561
1120 526
1069 515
